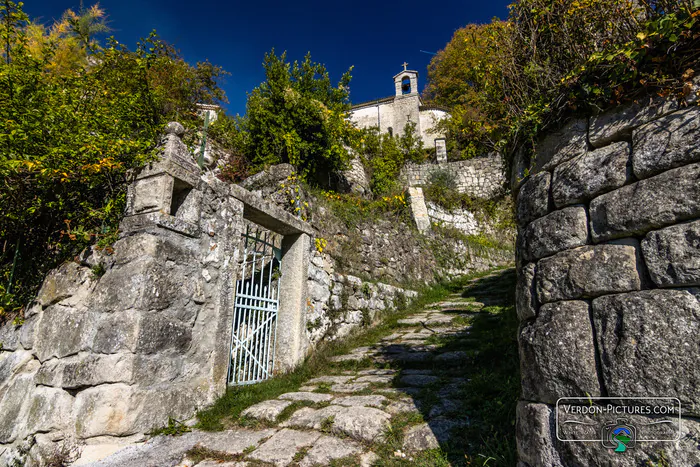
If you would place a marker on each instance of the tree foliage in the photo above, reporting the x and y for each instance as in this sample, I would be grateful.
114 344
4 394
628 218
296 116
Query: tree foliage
297 116
77 118
384 155
506 81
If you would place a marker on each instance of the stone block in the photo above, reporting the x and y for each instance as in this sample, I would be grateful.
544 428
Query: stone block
617 124
667 143
591 174
16 396
116 332
525 298
86 370
561 145
672 255
10 336
560 230
107 410
151 370
62 283
12 363
533 199
281 448
152 194
159 332
648 344
557 353
587 272
28 332
665 199
49 410
60 332
535 434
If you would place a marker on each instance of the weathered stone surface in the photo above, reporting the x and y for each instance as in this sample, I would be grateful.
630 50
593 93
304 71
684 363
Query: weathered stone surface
419 380
560 230
665 199
306 396
266 410
281 448
667 143
106 410
557 354
49 410
349 387
12 363
116 332
525 297
11 403
587 272
561 145
86 370
535 432
430 435
378 379
168 451
683 452
10 336
362 423
327 449
672 255
62 283
446 407
454 357
158 332
361 401
403 405
591 174
618 123
533 198
648 343
330 379
61 332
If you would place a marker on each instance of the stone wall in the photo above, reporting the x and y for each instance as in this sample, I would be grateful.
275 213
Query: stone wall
608 258
338 303
116 344
480 177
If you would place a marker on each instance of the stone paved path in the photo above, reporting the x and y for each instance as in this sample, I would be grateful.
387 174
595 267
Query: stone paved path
407 381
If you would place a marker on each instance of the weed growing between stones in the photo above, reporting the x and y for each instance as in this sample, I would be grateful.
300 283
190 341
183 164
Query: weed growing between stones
173 428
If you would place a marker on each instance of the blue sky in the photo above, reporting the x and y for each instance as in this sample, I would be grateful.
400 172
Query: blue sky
374 36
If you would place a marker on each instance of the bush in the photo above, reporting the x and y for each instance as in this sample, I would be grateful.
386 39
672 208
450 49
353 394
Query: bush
507 81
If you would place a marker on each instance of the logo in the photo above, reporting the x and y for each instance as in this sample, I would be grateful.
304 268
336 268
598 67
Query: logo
618 435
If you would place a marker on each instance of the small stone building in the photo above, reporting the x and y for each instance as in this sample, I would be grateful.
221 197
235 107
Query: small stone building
391 114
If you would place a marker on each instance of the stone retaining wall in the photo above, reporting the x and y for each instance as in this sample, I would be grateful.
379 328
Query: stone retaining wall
480 177
608 258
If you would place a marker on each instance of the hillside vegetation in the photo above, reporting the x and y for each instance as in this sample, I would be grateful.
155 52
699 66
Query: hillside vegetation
80 114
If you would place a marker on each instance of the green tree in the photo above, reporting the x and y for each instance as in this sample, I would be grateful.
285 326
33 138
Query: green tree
298 116
70 138
385 155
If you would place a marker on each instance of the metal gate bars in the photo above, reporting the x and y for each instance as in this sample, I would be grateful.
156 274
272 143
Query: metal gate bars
252 355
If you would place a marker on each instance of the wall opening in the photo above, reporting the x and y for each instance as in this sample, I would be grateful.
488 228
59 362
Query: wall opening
181 191
391 132
406 85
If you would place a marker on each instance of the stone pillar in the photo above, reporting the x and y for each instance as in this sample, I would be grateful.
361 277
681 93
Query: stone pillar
419 209
290 320
607 259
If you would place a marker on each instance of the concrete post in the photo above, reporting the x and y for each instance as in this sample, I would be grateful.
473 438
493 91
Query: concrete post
290 319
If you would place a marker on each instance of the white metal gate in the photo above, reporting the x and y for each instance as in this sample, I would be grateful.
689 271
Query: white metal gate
252 355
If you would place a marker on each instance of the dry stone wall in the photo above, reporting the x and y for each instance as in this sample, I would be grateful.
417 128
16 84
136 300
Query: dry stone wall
608 258
480 177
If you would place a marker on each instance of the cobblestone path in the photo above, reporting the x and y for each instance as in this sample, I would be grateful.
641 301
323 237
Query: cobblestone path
401 400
